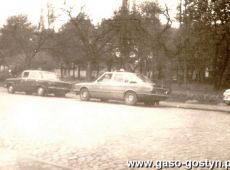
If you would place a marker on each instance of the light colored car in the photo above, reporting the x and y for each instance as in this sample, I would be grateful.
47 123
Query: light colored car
227 96
40 82
126 86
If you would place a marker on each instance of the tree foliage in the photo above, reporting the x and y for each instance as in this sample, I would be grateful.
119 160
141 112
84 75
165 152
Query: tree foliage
21 42
205 40
135 40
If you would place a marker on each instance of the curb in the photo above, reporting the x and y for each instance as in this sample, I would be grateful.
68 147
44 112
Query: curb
204 107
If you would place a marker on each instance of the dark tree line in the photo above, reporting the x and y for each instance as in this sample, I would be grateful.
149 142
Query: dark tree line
134 40
204 43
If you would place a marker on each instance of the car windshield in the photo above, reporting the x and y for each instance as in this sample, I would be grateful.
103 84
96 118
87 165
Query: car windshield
49 75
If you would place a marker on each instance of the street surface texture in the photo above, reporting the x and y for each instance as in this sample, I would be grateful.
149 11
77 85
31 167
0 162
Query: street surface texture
104 136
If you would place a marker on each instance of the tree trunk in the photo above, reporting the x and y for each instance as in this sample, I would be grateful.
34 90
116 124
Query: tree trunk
74 70
225 64
89 71
185 73
98 70
79 72
141 66
27 62
69 72
109 65
61 70
215 68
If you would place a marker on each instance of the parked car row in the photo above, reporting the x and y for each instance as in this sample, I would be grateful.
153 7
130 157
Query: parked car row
125 86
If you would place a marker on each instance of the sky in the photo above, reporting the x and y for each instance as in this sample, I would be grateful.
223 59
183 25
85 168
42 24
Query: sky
96 9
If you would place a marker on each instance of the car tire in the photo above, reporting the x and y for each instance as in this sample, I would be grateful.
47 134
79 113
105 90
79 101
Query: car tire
41 91
130 98
84 94
10 89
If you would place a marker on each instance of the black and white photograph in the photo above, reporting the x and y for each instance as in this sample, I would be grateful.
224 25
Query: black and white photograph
114 84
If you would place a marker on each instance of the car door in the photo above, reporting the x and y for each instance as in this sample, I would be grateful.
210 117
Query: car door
31 81
102 87
119 85
21 85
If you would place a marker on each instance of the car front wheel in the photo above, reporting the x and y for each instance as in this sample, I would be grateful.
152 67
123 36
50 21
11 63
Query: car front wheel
10 89
41 91
130 98
84 94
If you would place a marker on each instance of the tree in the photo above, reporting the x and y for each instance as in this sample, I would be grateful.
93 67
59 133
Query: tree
94 40
22 41
206 24
157 36
219 22
125 33
67 48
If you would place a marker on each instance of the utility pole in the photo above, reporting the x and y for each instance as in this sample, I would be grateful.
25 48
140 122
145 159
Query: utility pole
123 33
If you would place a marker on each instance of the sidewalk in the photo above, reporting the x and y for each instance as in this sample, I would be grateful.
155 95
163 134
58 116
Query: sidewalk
195 106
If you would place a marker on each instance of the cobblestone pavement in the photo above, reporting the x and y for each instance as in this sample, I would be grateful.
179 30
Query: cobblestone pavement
104 136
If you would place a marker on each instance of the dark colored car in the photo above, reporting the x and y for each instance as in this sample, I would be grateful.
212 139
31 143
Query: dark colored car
40 82
130 87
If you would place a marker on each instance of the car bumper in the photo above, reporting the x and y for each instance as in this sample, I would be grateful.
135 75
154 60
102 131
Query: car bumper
151 97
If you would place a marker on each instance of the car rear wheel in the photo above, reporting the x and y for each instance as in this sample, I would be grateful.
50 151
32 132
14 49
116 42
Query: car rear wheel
130 98
41 91
84 94
10 89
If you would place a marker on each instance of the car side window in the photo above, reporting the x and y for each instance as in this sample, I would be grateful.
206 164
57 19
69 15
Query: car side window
120 78
25 74
107 77
34 75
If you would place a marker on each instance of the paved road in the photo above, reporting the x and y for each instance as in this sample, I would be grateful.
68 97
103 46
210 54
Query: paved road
95 135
